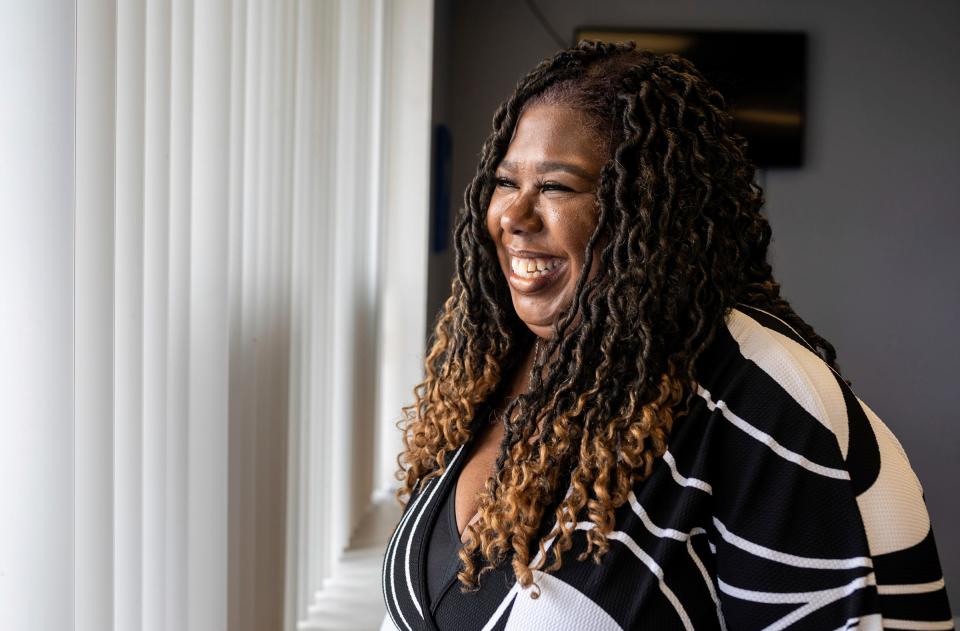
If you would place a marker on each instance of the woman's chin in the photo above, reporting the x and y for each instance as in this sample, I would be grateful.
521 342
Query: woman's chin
543 323
539 324
543 333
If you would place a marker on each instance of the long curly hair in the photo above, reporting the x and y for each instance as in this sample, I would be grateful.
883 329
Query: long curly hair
681 240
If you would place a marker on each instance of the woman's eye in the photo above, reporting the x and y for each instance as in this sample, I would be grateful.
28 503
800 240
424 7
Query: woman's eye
503 182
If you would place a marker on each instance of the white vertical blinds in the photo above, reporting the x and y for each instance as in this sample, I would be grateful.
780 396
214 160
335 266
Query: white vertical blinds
309 473
408 58
178 385
235 165
209 323
238 158
128 347
93 275
37 136
156 338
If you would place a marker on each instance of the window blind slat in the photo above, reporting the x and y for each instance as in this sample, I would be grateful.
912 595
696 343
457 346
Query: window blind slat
156 248
128 316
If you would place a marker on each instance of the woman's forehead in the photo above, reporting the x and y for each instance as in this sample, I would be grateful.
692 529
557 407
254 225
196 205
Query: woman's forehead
554 134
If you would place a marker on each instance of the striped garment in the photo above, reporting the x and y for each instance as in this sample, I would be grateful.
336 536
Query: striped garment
783 502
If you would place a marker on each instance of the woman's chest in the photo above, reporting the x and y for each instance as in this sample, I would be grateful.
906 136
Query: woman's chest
658 571
478 468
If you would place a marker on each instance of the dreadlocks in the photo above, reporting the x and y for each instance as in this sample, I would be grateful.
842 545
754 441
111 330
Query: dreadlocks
681 240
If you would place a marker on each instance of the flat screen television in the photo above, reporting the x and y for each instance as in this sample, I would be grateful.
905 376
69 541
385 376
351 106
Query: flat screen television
761 75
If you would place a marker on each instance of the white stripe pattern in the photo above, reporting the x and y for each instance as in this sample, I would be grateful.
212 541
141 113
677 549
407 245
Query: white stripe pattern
914 588
794 331
433 492
851 623
770 441
670 533
495 618
663 533
683 480
392 552
812 600
801 373
654 567
706 577
789 559
918 625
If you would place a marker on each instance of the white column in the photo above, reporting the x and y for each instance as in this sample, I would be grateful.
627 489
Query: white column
37 64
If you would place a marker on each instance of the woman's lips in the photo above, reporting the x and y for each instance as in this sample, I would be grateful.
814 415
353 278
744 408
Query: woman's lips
524 280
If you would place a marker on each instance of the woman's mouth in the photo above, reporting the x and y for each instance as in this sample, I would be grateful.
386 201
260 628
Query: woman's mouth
532 274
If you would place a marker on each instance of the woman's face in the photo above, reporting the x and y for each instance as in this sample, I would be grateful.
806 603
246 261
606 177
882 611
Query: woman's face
543 211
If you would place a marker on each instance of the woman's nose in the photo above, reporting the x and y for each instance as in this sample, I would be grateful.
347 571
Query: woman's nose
521 215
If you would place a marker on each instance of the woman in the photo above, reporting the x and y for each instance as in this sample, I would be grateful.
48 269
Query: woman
623 425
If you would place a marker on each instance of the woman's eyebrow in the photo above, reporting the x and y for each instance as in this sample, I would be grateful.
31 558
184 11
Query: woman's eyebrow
546 167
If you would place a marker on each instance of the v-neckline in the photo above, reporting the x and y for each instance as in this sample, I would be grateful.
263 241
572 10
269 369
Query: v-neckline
447 485
469 447
452 521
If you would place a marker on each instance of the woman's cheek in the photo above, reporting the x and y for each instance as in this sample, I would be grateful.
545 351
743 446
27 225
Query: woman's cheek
493 221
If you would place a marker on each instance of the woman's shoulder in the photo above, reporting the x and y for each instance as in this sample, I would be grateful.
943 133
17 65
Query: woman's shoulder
763 376
808 482
772 386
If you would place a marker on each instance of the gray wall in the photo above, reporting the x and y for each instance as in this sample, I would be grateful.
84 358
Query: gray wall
862 232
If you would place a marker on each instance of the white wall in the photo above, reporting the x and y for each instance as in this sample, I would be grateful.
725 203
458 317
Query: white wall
864 232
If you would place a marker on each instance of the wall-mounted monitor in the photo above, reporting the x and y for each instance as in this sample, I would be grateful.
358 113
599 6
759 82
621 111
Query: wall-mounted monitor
761 75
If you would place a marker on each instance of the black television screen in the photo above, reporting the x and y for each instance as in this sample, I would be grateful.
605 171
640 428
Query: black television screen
761 75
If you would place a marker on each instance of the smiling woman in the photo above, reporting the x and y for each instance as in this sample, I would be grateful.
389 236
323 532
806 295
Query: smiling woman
622 418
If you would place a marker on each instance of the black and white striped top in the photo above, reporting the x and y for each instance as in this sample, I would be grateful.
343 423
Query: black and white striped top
783 502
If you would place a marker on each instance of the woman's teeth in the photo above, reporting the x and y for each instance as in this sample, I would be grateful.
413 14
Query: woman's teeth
532 268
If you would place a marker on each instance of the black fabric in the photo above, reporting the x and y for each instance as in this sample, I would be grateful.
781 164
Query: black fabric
442 560
782 501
